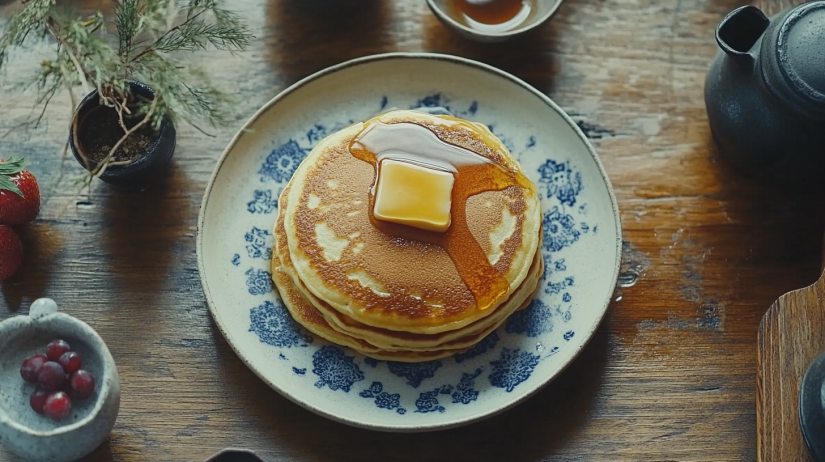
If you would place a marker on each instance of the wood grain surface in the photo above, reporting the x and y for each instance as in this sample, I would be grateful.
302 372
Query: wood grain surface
671 373
791 336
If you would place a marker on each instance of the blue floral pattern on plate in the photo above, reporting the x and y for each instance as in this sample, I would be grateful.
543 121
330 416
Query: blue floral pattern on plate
561 181
415 373
274 326
513 368
560 230
465 391
282 162
428 401
335 369
501 363
383 400
258 281
533 321
262 202
258 243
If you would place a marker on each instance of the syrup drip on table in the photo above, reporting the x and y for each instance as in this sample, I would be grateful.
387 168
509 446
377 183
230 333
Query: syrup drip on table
491 15
474 174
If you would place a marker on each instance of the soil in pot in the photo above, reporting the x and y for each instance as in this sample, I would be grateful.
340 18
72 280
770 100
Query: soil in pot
100 130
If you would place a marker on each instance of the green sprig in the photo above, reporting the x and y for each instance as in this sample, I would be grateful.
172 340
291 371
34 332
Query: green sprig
145 49
127 23
29 21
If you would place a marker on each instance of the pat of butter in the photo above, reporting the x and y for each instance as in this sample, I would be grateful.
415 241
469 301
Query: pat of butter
413 195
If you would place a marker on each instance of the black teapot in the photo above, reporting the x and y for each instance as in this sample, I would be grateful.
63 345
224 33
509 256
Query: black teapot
765 93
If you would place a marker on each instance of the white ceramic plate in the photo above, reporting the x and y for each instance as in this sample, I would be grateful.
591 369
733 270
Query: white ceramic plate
581 248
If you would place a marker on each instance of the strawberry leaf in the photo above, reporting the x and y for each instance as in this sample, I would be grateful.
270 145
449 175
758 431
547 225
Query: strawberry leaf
6 183
12 166
7 169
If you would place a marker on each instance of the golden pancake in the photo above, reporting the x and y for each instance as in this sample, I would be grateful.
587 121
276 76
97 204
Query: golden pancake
367 279
398 340
368 339
309 317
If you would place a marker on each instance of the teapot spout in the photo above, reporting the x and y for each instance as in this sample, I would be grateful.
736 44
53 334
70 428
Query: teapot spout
740 30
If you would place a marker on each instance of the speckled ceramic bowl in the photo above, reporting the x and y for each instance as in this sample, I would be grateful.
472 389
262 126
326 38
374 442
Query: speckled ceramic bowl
33 436
543 10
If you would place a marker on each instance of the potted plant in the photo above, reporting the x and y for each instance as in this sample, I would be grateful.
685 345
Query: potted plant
123 130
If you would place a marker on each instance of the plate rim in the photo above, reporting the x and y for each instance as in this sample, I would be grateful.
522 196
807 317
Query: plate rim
591 330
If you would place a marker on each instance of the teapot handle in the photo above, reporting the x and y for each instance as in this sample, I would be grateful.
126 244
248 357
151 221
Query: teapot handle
740 30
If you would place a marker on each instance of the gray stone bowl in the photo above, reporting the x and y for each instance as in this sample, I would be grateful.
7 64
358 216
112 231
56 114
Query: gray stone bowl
33 436
545 9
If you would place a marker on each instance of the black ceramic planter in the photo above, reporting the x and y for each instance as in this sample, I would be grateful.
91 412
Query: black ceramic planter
143 170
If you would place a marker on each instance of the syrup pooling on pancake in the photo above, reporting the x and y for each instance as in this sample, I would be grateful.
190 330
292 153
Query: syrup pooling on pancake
474 174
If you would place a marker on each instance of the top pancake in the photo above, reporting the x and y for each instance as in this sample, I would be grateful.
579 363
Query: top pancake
390 282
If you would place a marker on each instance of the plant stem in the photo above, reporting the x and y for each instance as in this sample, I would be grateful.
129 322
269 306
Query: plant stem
104 164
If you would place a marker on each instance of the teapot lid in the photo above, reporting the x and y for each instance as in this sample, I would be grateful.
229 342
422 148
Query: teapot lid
801 50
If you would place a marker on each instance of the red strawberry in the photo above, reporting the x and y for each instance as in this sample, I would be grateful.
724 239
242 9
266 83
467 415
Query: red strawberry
19 193
11 252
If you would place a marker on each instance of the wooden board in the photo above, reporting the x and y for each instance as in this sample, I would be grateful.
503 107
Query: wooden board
791 335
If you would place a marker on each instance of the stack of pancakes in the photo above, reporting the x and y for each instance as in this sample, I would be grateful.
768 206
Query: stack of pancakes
387 297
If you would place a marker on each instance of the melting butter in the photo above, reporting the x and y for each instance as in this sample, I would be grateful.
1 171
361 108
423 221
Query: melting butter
413 195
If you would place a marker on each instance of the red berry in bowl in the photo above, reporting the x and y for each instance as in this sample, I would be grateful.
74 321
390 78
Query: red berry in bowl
51 376
57 406
83 384
56 348
70 361
31 367
38 399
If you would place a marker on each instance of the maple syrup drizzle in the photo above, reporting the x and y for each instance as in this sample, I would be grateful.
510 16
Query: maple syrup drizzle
474 174
491 12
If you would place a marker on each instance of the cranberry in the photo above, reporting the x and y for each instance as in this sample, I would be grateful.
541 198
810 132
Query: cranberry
38 399
70 361
51 376
57 406
31 367
83 384
56 348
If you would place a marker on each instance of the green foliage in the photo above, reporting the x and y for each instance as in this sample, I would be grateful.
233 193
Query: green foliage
128 22
197 34
30 20
145 47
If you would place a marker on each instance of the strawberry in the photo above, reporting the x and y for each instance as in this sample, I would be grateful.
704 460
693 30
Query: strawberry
11 252
19 193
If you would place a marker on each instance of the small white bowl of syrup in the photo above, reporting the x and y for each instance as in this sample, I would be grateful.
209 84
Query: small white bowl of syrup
493 20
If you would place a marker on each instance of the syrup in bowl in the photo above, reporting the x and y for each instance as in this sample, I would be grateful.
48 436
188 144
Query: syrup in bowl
492 16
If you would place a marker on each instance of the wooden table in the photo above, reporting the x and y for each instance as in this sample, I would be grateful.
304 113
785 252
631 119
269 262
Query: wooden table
671 373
